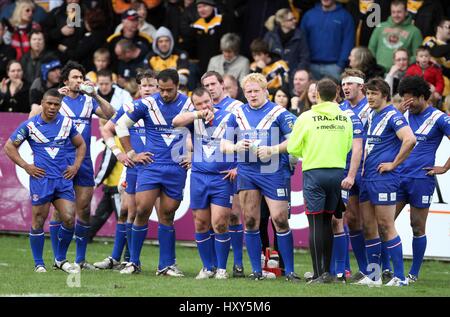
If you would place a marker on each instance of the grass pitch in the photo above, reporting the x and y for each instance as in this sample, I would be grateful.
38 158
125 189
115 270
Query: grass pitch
18 278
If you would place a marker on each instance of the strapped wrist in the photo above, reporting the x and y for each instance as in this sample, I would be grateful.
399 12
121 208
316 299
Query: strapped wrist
131 154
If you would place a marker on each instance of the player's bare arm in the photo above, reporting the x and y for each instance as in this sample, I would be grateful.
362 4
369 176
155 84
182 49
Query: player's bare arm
12 151
80 146
355 160
122 130
438 170
108 131
406 135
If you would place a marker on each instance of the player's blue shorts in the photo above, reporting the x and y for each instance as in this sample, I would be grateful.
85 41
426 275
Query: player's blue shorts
235 187
44 190
354 191
379 192
131 179
418 192
170 178
275 186
209 189
85 175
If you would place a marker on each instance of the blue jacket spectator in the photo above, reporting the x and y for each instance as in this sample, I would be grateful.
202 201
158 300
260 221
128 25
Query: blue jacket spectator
330 32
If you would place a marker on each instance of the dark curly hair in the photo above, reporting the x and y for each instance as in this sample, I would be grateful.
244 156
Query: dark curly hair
70 65
414 85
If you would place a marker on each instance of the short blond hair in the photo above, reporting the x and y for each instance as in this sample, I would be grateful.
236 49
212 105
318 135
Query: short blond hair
258 78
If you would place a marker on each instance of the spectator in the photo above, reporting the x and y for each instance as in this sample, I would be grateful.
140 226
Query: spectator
130 31
120 6
7 53
285 40
255 14
39 14
62 37
398 31
398 69
94 38
330 34
206 32
50 73
232 88
102 59
426 15
430 72
130 58
359 9
14 90
31 61
270 65
282 98
19 26
180 14
361 58
306 100
300 83
115 95
440 50
230 62
164 55
144 26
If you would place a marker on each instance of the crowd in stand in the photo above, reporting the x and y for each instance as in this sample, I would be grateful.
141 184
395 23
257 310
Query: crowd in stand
293 43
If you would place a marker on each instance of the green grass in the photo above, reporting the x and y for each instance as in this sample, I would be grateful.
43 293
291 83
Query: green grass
18 278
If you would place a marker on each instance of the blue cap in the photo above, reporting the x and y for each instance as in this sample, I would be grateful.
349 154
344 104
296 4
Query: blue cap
46 68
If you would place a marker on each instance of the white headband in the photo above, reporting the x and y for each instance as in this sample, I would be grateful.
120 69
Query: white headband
353 79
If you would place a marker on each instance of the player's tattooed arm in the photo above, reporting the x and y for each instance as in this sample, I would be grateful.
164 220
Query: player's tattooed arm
80 146
11 150
105 111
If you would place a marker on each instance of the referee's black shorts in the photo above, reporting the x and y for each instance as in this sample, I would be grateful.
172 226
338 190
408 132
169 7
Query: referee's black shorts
322 190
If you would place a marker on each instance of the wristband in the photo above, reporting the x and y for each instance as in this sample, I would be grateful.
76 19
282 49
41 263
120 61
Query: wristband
110 142
131 154
116 151
195 114
275 149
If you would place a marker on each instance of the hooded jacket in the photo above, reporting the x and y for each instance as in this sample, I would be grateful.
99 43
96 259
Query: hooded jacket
173 58
389 36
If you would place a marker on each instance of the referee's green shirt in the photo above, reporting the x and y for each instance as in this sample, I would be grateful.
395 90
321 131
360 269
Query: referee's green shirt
322 137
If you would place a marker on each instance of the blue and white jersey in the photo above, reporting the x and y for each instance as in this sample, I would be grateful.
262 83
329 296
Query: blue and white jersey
162 139
137 131
382 143
49 141
429 127
362 110
358 131
229 104
80 110
266 126
206 138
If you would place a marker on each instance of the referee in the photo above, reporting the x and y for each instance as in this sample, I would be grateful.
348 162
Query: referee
322 137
